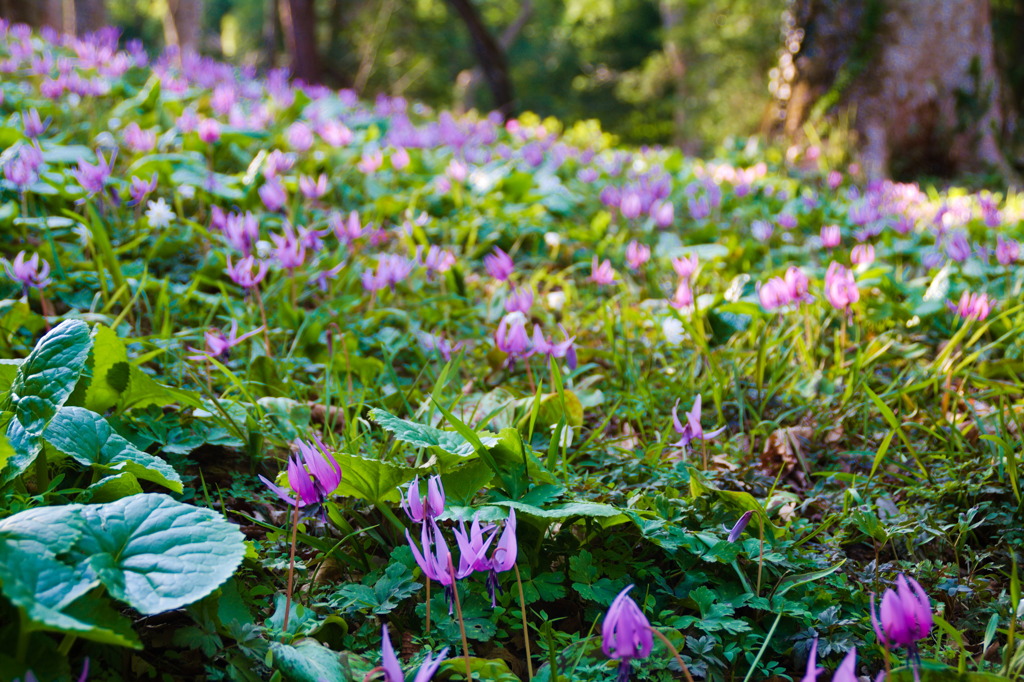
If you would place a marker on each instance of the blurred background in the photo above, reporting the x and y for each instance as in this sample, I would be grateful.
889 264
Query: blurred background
695 73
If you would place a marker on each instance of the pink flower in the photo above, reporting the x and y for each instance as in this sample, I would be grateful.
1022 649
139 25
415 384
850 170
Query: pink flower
972 306
209 130
663 213
840 287
499 265
773 294
313 189
400 159
831 236
520 300
637 254
242 273
511 337
602 273
685 266
273 195
1007 251
32 272
862 254
906 614
371 162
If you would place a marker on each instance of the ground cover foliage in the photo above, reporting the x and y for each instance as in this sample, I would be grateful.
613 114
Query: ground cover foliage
206 270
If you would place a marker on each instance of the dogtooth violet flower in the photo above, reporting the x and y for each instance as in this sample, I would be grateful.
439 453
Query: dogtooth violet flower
519 300
625 633
862 254
692 430
435 559
430 506
564 349
840 287
141 188
637 254
392 669
312 479
511 337
847 670
685 266
241 273
504 556
32 272
740 526
1007 251
972 306
602 272
812 665
499 265
93 176
905 616
831 236
219 345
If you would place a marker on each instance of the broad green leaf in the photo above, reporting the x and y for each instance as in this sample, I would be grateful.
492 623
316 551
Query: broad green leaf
110 370
49 374
8 370
550 411
144 391
307 661
371 479
21 450
157 554
425 436
87 438
791 581
112 488
931 671
493 670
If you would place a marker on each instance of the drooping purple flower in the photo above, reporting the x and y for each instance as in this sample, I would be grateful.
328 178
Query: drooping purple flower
19 173
504 556
435 559
393 669
335 133
511 337
432 342
797 285
139 140
32 124
773 294
519 300
219 344
1007 251
663 213
273 195
972 306
312 479
241 230
140 188
436 259
847 670
692 430
92 177
400 159
831 236
565 349
631 205
209 130
430 506
862 254
685 266
473 546
700 207
346 229
602 272
958 249
682 299
812 665
370 162
787 221
32 272
499 265
300 136
626 633
242 274
637 254
906 614
313 189
840 287
289 249
741 525
276 163
834 180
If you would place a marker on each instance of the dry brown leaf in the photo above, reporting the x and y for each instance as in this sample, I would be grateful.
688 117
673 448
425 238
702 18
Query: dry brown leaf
784 450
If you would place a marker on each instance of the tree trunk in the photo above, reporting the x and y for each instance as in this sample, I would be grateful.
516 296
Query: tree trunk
298 22
90 16
467 82
36 14
182 24
489 54
919 77
671 20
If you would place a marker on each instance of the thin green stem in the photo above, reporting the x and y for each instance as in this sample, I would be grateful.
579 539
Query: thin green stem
526 632
291 567
462 624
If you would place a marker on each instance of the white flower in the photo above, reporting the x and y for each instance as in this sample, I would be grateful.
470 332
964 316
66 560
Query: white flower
673 331
187 191
556 299
552 239
159 213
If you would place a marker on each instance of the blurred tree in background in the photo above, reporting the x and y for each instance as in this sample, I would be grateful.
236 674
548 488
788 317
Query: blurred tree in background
688 72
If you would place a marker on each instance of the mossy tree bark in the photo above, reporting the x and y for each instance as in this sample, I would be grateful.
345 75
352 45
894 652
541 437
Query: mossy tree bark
919 79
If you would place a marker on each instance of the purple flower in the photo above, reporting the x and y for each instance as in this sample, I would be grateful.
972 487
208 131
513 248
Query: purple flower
762 230
847 670
840 287
862 254
92 177
700 207
32 124
431 342
139 140
664 213
685 266
436 259
511 337
906 614
300 136
682 299
20 173
787 221
371 162
391 269
812 665
740 526
773 294
625 633
218 344
313 189
565 349
637 254
473 546
400 159
430 506
335 133
499 265
276 163
692 430
797 285
519 300
631 205
32 272
209 130
835 178
140 188
289 251
241 231
242 274
435 559
958 249
393 670
602 272
273 195
313 483
346 230
972 306
504 556
831 236
1007 251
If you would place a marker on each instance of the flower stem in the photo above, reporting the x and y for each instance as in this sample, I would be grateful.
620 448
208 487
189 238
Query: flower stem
428 605
263 317
679 659
291 567
462 624
526 632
